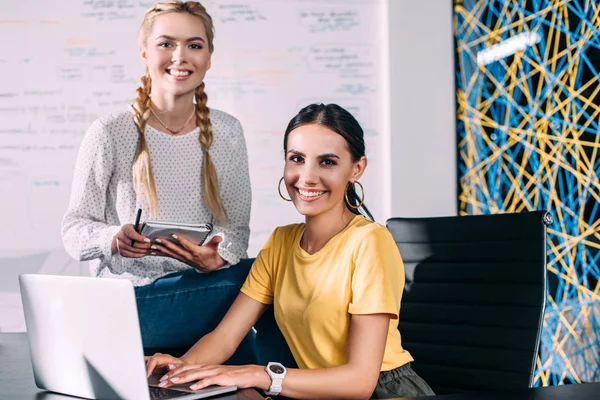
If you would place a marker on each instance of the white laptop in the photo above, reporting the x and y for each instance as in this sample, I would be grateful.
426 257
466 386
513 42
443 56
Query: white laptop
85 339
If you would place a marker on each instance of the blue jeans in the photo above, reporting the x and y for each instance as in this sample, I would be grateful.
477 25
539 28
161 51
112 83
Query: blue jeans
178 309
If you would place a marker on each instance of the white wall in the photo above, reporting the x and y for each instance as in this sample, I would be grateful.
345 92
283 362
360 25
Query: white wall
423 124
418 159
72 64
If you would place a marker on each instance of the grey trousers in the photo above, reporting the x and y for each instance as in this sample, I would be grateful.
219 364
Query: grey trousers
401 382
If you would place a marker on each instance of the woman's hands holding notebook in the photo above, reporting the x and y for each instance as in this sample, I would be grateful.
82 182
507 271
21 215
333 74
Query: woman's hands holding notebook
204 258
128 243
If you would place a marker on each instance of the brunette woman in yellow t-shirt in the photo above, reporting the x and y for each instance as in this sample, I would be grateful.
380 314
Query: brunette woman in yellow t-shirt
335 283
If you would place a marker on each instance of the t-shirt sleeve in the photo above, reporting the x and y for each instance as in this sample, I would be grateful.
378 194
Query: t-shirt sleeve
378 277
260 280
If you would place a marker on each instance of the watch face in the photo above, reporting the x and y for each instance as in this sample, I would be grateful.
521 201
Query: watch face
276 369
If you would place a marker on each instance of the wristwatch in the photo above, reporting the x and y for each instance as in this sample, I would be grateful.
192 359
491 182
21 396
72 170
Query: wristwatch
276 372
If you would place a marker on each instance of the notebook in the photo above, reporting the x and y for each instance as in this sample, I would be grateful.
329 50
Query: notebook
196 233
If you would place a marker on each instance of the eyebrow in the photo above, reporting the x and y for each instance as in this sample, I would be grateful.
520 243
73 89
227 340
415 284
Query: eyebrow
192 39
326 155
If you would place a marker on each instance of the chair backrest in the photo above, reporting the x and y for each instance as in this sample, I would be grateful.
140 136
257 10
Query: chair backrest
474 299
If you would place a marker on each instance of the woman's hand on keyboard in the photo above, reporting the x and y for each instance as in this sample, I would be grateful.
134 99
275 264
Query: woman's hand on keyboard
242 376
160 363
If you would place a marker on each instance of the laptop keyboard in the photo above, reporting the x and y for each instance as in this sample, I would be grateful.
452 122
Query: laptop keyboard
160 393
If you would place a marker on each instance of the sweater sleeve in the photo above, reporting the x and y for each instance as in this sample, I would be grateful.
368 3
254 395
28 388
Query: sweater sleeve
86 234
236 194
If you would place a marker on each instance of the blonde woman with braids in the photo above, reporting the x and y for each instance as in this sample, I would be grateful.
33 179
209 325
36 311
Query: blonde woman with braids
178 160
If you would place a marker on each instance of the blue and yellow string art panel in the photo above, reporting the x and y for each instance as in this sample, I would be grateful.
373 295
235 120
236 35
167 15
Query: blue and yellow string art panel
528 109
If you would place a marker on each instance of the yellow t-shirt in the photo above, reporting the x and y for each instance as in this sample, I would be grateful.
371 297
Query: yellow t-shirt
359 271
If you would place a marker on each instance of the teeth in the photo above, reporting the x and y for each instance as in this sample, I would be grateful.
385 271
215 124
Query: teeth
179 73
310 194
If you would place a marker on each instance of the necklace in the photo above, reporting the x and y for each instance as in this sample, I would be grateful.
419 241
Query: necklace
173 131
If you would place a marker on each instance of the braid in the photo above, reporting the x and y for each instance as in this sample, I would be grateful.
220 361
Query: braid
143 178
210 184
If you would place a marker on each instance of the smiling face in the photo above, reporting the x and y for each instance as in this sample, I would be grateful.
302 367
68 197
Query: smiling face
318 168
176 53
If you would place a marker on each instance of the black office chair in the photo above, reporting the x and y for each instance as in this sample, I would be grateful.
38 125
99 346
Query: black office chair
473 304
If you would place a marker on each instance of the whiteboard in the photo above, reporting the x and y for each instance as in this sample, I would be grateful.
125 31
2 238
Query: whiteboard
66 63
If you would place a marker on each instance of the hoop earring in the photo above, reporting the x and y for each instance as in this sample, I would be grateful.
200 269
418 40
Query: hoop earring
361 200
279 190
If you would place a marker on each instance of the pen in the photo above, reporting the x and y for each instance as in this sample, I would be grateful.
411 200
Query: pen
137 223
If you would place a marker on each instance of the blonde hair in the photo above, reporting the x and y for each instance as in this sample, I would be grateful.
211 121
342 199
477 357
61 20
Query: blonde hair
143 177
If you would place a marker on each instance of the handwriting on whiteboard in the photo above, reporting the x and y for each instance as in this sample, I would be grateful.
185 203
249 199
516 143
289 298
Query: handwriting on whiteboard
329 20
348 61
238 12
